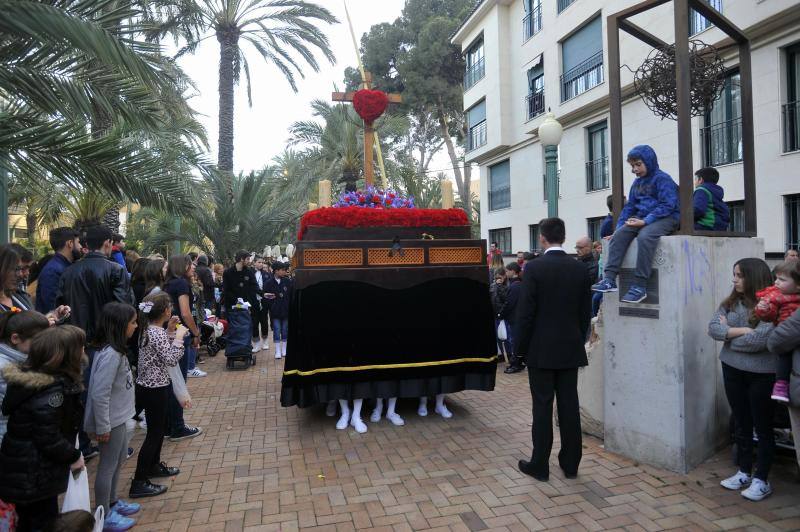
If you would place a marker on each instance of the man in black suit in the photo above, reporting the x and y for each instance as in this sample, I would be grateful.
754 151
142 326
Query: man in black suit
552 319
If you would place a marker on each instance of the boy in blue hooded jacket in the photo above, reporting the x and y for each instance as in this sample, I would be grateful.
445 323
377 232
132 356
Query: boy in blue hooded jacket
651 212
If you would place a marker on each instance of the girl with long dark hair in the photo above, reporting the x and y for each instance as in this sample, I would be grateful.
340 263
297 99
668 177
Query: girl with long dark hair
44 412
159 349
748 370
110 404
179 287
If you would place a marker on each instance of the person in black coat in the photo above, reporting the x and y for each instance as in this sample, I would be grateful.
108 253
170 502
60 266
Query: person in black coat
278 292
552 319
508 313
87 285
45 413
239 282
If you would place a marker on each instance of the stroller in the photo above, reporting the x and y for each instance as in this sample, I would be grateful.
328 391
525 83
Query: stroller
211 336
238 347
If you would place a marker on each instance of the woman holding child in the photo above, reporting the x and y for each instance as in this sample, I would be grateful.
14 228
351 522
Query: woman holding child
748 370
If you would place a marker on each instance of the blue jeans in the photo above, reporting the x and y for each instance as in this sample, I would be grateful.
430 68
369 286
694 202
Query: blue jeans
597 298
280 329
191 354
647 238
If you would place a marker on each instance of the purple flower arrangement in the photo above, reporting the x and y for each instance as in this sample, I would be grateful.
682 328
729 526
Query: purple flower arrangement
375 198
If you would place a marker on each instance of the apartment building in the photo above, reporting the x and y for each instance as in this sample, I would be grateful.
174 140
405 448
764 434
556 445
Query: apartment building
524 57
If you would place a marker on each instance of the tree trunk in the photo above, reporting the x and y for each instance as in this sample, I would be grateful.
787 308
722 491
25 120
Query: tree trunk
111 219
228 43
461 183
30 228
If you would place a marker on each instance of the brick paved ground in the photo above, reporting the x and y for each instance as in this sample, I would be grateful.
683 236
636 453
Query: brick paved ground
259 466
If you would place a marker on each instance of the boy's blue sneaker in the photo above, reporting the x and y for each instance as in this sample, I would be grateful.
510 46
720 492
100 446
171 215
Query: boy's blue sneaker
606 285
635 294
117 523
125 508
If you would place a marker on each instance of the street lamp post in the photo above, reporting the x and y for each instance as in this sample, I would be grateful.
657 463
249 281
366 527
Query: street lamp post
550 133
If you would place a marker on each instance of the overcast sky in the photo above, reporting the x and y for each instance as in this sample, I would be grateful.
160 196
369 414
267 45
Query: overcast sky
260 132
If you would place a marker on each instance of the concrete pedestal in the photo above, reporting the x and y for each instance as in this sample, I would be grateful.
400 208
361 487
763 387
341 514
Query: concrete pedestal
590 386
664 400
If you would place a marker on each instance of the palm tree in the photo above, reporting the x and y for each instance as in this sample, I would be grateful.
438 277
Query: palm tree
61 64
264 207
335 138
282 32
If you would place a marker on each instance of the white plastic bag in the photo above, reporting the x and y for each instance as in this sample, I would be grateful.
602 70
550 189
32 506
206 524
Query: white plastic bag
99 519
77 497
179 385
502 333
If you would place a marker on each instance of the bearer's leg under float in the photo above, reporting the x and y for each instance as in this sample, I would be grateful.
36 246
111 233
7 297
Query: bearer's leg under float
391 415
330 410
353 418
440 409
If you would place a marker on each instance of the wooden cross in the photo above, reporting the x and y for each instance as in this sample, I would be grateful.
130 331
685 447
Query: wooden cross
369 132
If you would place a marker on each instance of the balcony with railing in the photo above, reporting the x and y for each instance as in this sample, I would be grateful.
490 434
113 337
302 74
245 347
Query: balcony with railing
500 198
597 174
534 103
532 23
722 143
583 77
563 4
474 73
791 126
558 184
476 136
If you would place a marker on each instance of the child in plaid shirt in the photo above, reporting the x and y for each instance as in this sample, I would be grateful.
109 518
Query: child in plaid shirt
776 303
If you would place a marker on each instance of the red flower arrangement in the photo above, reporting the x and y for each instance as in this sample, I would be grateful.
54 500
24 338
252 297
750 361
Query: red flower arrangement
370 104
349 217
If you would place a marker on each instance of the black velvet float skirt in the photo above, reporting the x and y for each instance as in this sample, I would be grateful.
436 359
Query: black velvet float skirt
354 340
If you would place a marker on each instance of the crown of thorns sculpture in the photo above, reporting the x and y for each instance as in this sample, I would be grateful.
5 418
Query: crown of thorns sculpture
655 80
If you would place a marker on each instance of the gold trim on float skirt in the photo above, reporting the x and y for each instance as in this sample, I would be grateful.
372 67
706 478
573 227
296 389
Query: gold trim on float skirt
391 366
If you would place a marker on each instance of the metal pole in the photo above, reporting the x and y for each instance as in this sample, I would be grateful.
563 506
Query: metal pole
615 116
684 100
551 166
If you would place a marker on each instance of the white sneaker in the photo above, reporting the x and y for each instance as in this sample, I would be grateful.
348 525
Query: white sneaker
256 346
376 415
395 418
143 424
265 344
344 420
359 425
758 490
277 353
422 411
444 412
197 372
737 482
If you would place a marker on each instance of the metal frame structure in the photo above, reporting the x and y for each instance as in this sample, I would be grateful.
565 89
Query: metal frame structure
620 21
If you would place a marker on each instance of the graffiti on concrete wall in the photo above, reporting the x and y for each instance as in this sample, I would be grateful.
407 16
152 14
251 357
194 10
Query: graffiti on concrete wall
697 268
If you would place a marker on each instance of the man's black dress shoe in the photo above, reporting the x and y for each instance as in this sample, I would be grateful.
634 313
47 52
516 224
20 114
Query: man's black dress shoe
163 470
143 488
513 369
527 468
570 475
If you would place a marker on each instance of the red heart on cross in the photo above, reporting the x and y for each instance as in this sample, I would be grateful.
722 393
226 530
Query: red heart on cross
370 104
